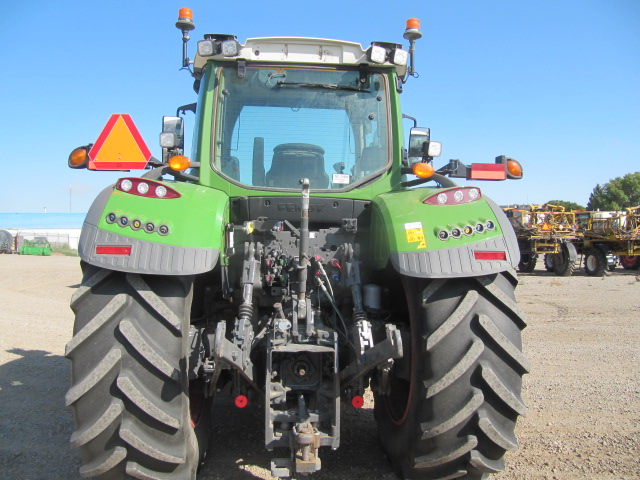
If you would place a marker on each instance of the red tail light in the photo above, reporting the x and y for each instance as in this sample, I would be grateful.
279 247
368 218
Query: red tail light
113 249
487 171
478 255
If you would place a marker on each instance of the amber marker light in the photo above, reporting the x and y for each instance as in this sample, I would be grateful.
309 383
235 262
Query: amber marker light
179 163
413 23
423 170
185 13
514 168
78 157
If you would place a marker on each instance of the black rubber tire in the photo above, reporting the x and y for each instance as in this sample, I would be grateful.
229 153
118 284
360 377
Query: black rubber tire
455 414
562 266
548 262
630 262
129 381
527 262
595 262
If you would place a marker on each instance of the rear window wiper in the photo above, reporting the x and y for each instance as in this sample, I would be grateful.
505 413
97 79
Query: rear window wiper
326 86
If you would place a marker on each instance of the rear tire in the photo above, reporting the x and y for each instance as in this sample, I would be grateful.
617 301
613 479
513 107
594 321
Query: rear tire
630 262
548 262
595 262
455 414
527 262
129 383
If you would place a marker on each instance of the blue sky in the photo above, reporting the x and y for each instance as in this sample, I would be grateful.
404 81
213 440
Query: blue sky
554 84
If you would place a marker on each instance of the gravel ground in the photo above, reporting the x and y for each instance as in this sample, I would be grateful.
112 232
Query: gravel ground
583 394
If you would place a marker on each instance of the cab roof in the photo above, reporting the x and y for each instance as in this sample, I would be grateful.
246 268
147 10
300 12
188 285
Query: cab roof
319 51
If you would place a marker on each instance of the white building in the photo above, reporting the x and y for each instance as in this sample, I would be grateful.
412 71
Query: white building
60 229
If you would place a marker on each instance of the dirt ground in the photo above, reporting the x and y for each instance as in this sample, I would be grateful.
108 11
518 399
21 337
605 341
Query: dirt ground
583 393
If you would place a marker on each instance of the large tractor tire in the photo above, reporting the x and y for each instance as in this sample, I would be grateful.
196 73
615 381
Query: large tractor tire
527 262
595 262
129 382
451 409
630 262
563 266
548 262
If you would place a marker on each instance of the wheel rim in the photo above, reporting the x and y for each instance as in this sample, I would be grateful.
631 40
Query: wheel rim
628 260
590 262
196 402
401 391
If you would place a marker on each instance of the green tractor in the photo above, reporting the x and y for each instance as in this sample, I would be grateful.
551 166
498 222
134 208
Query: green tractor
301 256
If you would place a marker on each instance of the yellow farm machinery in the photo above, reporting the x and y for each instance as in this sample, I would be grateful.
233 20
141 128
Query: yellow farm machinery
602 238
607 234
546 229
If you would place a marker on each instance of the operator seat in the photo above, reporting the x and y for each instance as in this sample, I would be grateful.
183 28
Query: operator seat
371 160
293 161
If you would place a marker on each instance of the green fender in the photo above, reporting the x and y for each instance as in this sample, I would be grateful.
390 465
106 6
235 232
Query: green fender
168 236
406 234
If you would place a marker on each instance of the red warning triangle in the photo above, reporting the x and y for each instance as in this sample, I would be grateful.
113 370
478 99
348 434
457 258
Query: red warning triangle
119 147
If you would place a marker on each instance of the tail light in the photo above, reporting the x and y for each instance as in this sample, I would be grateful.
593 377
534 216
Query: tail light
454 196
479 255
113 250
146 188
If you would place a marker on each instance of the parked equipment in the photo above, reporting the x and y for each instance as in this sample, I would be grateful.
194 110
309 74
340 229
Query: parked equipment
37 246
6 242
545 229
608 236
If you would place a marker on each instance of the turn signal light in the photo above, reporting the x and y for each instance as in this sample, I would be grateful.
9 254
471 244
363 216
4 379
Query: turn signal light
78 157
514 168
423 170
179 163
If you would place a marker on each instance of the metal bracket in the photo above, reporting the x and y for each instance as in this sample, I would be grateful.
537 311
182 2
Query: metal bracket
380 353
236 355
242 64
350 224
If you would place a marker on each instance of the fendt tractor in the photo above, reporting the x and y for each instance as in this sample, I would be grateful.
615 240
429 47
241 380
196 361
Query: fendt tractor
301 256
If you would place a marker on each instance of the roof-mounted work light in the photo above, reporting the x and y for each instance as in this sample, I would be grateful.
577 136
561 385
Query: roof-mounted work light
216 44
381 52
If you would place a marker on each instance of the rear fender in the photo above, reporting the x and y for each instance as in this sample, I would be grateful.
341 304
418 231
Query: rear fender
571 251
190 244
405 233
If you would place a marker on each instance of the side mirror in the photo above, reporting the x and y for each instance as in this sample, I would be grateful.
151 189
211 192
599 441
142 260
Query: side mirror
172 135
420 144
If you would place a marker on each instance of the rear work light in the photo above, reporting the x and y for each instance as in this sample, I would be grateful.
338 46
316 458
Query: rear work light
479 255
145 188
113 249
454 196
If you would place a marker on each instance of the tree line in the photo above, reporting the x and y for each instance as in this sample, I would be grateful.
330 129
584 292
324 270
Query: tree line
618 194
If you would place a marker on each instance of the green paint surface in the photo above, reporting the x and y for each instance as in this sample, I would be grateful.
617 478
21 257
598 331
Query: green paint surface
196 219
